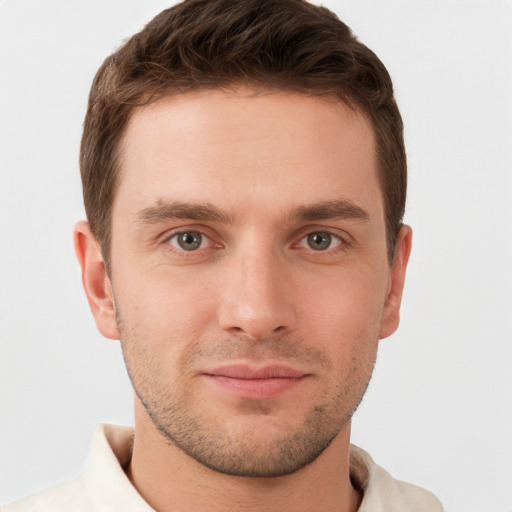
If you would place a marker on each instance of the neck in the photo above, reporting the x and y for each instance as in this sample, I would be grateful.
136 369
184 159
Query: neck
168 479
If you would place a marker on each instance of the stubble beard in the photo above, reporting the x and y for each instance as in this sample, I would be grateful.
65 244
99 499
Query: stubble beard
244 452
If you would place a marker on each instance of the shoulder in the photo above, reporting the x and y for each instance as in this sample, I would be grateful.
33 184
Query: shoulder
103 484
382 492
63 497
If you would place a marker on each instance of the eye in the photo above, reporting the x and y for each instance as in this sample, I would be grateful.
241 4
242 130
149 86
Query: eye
189 240
320 241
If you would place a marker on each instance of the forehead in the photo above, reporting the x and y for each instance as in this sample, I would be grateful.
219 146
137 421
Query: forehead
242 146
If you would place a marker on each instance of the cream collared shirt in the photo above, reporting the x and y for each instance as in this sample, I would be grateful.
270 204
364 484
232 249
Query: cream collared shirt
104 487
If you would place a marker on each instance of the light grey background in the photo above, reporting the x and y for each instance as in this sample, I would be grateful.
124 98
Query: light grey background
439 409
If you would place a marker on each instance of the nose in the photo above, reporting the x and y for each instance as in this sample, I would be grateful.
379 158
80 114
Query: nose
257 298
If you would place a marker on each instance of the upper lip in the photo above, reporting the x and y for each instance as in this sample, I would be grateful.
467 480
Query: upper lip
245 371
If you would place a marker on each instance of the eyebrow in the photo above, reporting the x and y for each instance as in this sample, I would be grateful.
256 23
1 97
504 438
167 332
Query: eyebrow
341 209
163 210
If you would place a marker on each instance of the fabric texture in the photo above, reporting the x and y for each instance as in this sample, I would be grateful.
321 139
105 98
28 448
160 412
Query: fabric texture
104 487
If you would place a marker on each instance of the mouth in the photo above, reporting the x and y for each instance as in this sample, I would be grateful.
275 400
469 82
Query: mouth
255 383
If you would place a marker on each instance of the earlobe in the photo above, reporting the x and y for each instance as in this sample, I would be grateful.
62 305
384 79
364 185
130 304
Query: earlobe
95 280
391 314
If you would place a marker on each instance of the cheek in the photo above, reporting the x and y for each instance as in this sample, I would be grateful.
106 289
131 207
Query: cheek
344 321
345 304
161 310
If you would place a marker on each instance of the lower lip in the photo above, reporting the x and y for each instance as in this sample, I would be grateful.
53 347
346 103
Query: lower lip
255 389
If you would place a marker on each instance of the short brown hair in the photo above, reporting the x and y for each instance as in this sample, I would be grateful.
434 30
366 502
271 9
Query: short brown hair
287 45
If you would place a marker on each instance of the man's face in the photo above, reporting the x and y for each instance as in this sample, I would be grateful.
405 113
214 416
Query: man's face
249 272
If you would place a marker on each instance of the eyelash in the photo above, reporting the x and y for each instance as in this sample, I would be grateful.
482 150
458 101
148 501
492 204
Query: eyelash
324 233
206 238
342 242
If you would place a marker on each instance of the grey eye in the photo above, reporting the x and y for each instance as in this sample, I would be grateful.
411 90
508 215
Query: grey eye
319 241
188 241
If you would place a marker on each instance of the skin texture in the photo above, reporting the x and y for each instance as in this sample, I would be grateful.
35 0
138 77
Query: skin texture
288 279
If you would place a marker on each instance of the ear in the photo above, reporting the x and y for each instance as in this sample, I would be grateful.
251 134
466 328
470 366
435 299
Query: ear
391 314
97 286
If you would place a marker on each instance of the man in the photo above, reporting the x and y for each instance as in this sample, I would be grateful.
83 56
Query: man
244 179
